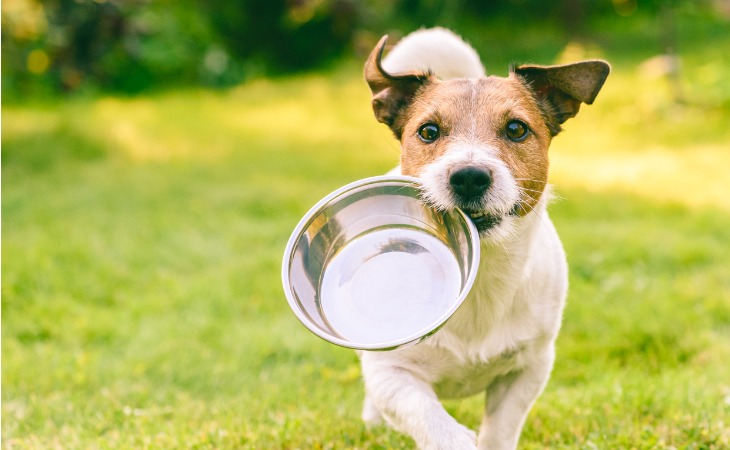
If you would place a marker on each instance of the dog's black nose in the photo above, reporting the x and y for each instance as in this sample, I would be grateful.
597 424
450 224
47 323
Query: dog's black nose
470 183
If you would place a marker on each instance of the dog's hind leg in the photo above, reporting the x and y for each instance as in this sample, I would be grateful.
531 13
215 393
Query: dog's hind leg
410 405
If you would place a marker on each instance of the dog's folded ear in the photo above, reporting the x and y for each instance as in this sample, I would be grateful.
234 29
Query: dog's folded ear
392 93
563 88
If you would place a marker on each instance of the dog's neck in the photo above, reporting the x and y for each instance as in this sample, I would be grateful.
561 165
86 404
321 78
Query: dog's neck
503 265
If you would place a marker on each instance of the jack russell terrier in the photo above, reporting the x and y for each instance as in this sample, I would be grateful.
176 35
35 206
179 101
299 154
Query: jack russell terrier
479 143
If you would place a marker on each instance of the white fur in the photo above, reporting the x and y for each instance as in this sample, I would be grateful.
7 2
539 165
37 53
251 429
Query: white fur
501 340
435 49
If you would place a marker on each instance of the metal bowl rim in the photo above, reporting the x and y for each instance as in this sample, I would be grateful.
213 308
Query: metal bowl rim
388 345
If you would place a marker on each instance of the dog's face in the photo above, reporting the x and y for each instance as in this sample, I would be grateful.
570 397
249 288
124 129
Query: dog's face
481 144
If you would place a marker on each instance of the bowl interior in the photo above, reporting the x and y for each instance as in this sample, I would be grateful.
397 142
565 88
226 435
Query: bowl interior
373 267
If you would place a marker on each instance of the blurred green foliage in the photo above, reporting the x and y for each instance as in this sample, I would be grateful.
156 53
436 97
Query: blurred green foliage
52 46
129 46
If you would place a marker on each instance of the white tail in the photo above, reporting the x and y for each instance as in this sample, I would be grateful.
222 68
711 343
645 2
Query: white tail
436 49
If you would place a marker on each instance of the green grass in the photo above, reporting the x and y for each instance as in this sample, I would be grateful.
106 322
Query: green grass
141 252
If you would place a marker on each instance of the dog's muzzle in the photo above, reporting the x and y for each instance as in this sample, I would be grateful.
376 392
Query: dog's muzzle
469 185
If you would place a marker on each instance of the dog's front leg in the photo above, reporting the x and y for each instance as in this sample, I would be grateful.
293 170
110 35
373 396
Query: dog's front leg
409 405
509 399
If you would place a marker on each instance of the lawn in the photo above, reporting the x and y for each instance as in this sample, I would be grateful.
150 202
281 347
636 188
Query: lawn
142 241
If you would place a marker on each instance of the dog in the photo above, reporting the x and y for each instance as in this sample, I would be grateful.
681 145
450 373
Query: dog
478 143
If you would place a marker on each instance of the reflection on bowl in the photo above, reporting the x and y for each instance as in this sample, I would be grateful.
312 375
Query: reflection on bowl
372 267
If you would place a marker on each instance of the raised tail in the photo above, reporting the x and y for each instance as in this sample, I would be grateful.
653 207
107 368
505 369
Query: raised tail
437 50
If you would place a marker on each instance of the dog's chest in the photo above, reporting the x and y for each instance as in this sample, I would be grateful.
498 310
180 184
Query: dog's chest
463 380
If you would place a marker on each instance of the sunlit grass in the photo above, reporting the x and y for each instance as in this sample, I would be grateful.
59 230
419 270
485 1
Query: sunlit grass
636 140
698 179
142 239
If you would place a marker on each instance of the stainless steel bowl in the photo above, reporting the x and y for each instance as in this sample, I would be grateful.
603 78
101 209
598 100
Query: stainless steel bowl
372 267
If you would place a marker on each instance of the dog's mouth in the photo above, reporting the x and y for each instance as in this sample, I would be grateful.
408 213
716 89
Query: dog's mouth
485 221
482 220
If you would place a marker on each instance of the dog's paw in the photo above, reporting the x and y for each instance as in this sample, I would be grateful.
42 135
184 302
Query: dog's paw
370 414
372 418
455 438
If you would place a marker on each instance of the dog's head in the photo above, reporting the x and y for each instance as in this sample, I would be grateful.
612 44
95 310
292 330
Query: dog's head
481 144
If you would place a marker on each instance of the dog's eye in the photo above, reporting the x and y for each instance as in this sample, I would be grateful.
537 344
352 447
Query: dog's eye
428 133
516 131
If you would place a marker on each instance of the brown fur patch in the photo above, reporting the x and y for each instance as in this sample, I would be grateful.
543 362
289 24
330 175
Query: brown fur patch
392 93
560 90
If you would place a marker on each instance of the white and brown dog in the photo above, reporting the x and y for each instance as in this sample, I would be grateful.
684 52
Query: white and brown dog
479 143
